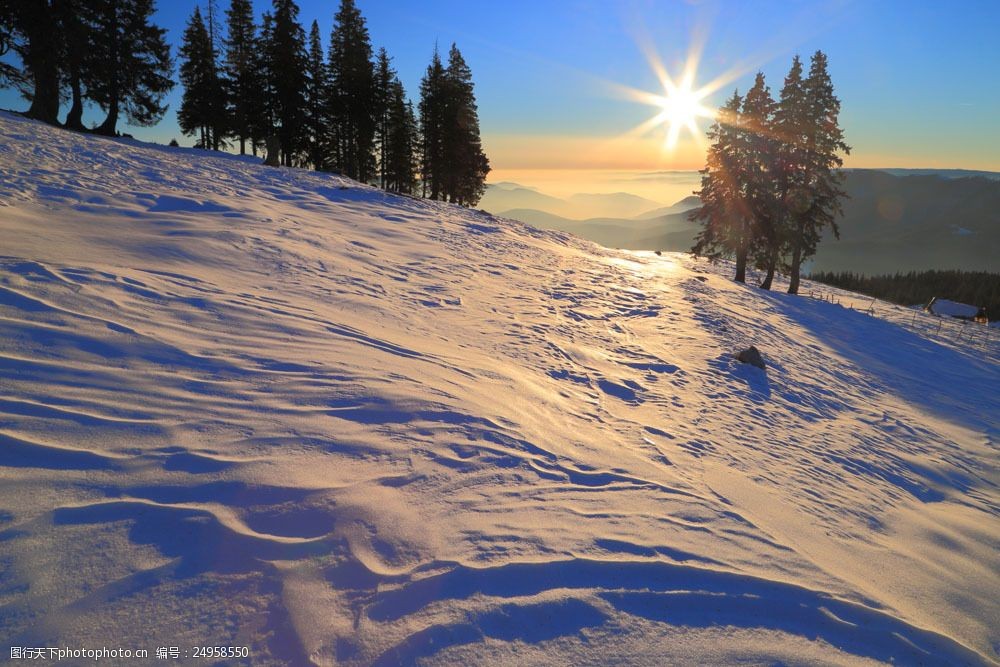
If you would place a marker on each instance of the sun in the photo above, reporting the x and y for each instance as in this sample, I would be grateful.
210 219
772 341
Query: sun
679 103
680 106
680 109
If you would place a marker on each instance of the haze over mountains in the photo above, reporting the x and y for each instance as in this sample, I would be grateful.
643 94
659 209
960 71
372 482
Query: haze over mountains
894 220
512 196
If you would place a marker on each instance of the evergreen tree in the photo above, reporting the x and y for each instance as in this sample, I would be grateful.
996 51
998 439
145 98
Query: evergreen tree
726 218
8 73
219 124
129 66
466 166
31 30
242 76
76 44
758 170
433 97
316 90
400 164
263 122
823 141
791 184
385 84
286 68
352 94
199 80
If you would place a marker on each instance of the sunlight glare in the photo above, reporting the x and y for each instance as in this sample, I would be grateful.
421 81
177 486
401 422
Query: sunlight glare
680 104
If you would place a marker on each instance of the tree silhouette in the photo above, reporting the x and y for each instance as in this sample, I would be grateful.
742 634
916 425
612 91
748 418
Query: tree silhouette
316 91
286 71
129 66
433 127
243 77
466 166
724 214
202 105
352 95
823 141
759 171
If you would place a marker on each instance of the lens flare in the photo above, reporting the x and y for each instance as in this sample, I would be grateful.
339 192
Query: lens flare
680 104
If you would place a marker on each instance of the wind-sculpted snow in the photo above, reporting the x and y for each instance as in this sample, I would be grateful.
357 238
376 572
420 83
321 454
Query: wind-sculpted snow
245 406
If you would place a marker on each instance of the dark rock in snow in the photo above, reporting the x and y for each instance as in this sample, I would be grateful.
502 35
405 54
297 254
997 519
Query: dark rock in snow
751 356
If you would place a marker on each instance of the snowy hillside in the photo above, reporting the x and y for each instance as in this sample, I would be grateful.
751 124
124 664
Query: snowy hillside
245 406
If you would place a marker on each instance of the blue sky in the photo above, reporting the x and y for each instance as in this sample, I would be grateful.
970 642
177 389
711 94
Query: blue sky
917 80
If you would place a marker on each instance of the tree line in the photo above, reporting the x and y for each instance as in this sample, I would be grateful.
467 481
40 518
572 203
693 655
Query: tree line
772 182
251 83
976 288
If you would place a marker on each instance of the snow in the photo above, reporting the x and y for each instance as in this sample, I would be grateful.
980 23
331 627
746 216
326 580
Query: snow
952 308
246 406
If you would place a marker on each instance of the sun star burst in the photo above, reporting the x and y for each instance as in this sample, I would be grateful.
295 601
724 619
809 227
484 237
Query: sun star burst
680 103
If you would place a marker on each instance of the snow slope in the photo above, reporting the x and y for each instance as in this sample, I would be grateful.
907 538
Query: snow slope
277 409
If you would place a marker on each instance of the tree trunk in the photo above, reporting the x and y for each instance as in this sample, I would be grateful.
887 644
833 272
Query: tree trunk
772 261
793 279
74 119
741 264
243 145
45 97
110 124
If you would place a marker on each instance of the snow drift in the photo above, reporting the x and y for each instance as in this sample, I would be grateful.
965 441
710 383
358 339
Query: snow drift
245 406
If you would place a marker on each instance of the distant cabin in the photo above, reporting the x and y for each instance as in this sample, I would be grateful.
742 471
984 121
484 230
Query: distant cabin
962 311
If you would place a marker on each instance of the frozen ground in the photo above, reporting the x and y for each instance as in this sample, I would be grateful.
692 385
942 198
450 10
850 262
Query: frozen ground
270 408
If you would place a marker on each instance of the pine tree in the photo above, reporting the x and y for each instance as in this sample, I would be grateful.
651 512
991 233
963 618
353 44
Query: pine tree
758 171
400 166
8 73
76 35
823 182
725 216
790 179
433 97
466 166
263 122
219 123
129 65
316 89
31 30
242 78
352 94
198 78
385 83
286 55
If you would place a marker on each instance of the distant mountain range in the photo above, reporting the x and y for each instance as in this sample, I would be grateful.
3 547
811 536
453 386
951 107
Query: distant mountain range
894 220
911 222
503 197
943 173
